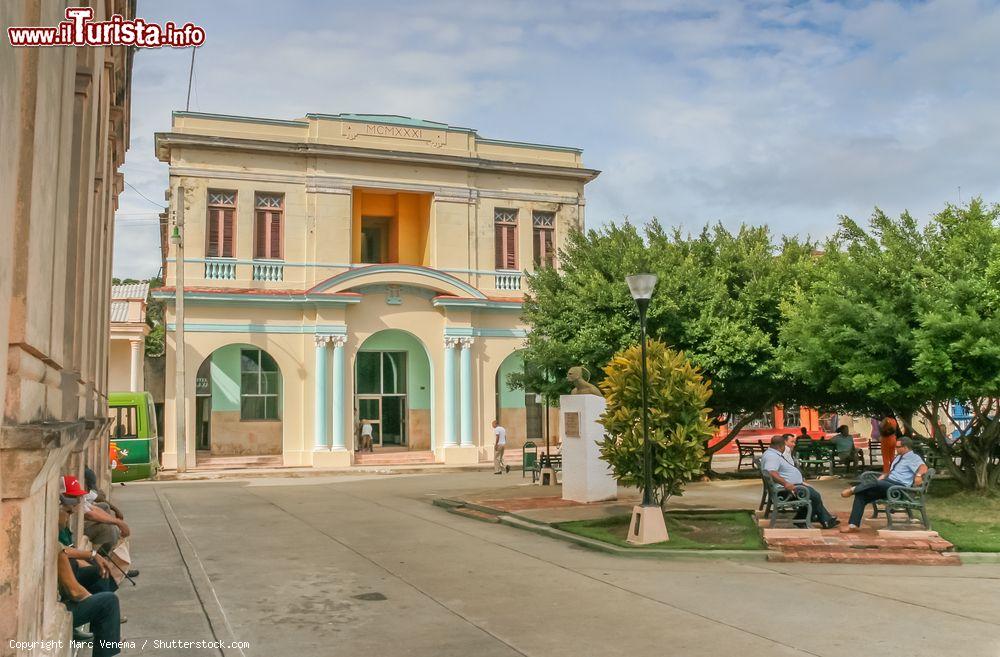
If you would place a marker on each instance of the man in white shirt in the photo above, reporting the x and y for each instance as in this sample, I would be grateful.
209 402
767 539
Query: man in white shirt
499 467
784 473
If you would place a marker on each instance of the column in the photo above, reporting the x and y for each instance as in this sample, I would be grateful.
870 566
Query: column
466 392
339 442
319 424
450 436
134 385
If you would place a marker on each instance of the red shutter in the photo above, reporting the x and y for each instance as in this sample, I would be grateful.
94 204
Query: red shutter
213 233
498 231
511 247
227 233
536 245
260 234
276 234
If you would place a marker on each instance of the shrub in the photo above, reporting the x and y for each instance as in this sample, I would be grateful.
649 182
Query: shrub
679 424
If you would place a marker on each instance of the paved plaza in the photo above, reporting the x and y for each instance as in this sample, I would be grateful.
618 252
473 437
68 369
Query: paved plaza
366 565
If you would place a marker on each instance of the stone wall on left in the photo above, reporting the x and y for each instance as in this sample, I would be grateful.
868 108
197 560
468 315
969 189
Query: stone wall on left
65 116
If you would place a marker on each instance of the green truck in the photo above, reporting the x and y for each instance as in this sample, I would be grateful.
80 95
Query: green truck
133 433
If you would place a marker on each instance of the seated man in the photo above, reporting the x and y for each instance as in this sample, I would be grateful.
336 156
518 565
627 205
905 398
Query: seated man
843 442
99 609
85 586
784 472
100 499
102 525
907 469
91 570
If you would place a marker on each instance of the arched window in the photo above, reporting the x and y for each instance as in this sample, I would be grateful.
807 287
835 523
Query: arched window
260 385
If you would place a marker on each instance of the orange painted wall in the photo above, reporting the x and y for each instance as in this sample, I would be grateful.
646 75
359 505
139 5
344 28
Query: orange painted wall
409 224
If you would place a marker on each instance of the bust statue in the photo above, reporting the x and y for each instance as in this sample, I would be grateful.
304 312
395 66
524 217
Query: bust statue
581 386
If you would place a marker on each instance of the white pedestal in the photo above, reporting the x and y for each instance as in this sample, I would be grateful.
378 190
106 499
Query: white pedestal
647 526
585 477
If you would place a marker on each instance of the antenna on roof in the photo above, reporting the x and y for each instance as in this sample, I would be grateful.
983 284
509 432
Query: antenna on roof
187 106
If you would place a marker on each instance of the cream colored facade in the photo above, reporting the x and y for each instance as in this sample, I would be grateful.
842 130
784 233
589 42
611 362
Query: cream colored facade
65 126
127 351
422 197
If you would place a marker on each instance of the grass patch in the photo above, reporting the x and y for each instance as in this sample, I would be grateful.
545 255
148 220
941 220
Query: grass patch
688 530
971 521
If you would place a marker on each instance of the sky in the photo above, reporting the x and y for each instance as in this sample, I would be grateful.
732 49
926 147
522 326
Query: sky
784 113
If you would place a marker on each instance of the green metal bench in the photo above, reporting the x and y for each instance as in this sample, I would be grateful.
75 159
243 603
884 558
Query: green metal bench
529 458
903 499
815 457
775 500
555 462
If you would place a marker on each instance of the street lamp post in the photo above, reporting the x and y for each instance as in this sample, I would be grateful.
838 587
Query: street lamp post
647 524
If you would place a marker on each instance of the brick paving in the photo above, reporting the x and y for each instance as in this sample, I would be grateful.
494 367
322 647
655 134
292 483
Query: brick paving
866 546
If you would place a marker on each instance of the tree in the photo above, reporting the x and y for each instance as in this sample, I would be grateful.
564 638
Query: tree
905 319
154 319
718 300
679 422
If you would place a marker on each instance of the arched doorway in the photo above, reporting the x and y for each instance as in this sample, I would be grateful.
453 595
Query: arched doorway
238 403
392 390
521 412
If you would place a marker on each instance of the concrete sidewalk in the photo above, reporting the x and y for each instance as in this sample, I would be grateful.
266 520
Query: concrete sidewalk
367 566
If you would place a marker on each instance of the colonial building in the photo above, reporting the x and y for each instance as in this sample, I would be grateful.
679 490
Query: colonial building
64 130
347 269
127 351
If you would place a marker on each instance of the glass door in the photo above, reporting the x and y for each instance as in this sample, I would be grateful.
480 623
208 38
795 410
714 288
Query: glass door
370 412
380 382
394 420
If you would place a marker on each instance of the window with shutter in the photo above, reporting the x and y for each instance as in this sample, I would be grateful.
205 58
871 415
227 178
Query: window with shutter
220 224
543 227
268 217
505 238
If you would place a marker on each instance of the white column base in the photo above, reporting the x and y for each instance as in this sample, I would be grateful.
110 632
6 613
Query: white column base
459 455
647 526
168 461
337 458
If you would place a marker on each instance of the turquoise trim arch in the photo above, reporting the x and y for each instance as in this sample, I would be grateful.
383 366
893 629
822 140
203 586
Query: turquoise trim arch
371 270
373 342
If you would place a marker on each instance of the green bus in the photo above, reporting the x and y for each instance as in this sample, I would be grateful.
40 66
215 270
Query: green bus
133 431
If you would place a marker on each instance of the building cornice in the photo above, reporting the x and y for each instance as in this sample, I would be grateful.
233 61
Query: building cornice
485 304
166 140
267 297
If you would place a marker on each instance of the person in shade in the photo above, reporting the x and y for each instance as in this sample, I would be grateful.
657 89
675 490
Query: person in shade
906 469
784 472
843 442
888 431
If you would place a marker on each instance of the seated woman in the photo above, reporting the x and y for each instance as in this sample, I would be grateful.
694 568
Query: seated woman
907 469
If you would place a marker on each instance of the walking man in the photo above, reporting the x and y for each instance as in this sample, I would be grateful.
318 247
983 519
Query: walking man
499 467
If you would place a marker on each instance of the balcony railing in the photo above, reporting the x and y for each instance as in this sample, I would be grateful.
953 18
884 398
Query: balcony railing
268 271
508 280
224 270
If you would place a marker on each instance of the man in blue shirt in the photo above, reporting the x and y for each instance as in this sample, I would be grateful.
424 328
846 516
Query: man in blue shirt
907 469
784 472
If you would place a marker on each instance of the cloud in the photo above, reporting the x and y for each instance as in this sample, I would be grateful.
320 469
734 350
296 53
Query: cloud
789 114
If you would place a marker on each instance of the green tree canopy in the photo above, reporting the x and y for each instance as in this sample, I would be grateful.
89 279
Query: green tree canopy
718 300
679 422
905 318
